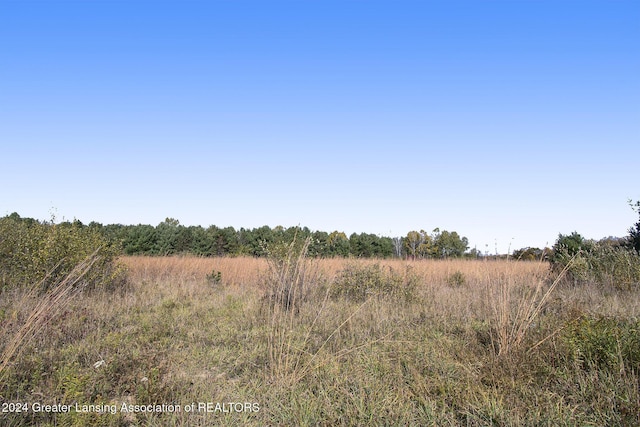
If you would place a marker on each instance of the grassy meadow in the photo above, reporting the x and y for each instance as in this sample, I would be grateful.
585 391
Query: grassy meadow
247 341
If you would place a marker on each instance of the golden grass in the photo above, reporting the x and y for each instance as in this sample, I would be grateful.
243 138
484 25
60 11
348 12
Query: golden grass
244 271
247 271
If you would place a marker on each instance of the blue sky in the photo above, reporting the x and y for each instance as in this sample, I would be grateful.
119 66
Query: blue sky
506 121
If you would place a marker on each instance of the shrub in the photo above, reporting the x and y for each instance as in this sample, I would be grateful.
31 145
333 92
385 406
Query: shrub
357 282
614 266
567 247
604 343
457 279
43 252
530 254
215 277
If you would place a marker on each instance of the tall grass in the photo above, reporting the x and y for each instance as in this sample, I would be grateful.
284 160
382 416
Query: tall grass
287 286
516 306
249 271
290 294
502 344
47 306
235 271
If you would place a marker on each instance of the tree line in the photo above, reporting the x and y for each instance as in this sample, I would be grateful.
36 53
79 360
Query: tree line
172 238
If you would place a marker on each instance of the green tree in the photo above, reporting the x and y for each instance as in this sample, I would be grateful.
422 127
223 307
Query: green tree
361 245
34 252
115 233
224 241
201 241
569 245
634 232
140 240
259 239
367 245
528 254
168 240
419 244
337 244
413 242
318 245
449 244
383 247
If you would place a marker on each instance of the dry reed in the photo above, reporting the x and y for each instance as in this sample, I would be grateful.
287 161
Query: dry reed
46 308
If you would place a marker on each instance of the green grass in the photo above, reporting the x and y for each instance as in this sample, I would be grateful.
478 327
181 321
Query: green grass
435 359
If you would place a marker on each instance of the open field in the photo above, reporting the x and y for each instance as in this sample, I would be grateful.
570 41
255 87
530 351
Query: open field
464 343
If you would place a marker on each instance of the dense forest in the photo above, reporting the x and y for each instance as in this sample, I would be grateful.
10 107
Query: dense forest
172 238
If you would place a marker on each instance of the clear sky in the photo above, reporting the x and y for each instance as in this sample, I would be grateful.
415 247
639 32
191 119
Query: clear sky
506 121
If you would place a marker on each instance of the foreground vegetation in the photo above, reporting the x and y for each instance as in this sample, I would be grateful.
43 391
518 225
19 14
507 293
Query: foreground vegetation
324 342
89 337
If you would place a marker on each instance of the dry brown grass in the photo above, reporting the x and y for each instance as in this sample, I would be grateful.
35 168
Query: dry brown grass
236 271
246 271
465 352
508 295
44 309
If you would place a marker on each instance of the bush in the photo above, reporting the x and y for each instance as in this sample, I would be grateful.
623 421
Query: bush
566 247
614 266
530 254
215 277
357 282
42 252
457 279
604 343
